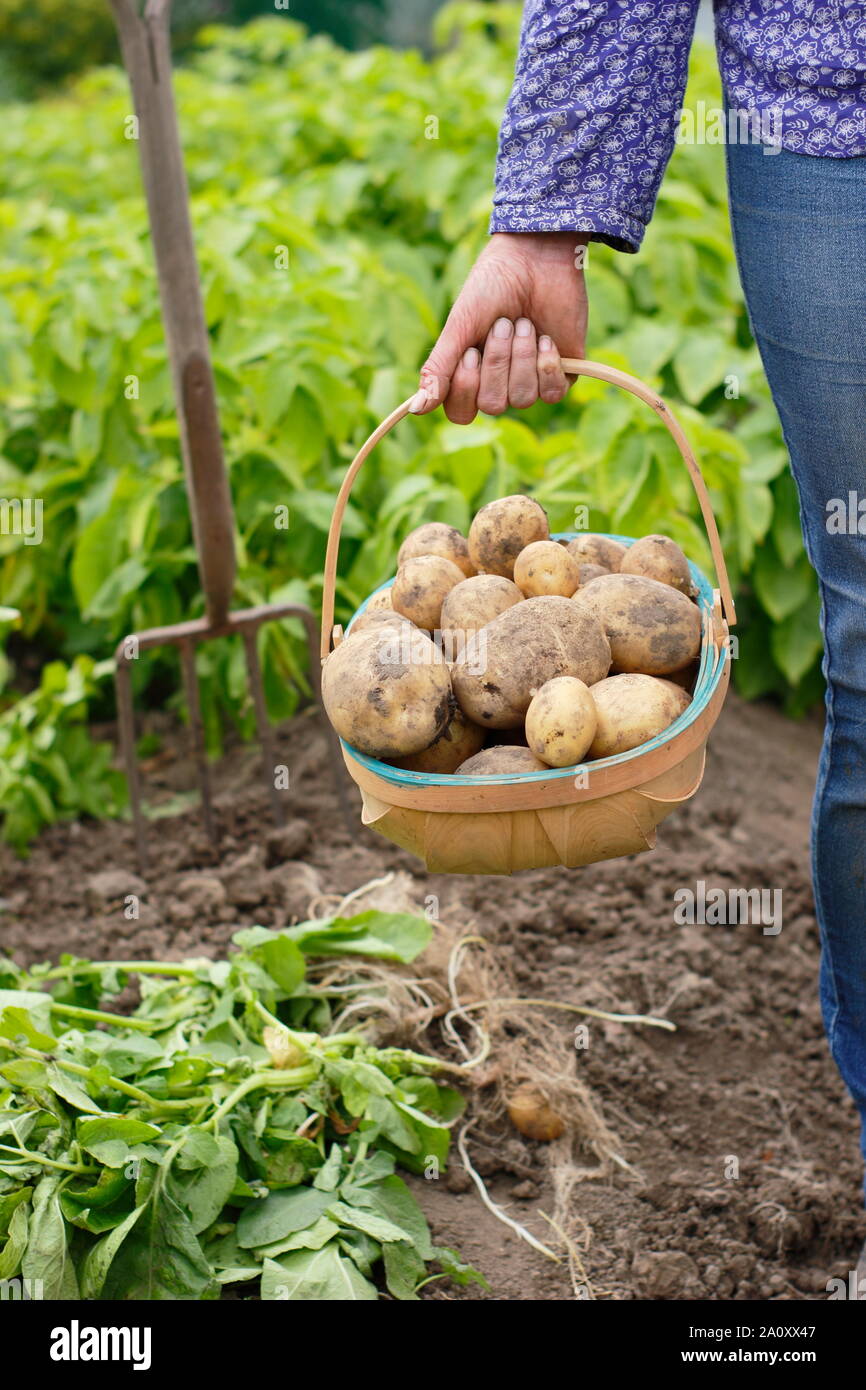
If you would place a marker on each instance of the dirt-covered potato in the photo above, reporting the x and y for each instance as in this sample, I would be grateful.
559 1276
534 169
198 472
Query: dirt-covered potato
500 761
592 549
589 572
658 557
435 538
546 568
502 529
419 590
631 709
387 691
461 739
475 602
561 721
524 647
380 603
377 617
651 627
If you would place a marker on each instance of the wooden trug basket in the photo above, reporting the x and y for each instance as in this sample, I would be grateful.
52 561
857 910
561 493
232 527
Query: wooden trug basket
568 816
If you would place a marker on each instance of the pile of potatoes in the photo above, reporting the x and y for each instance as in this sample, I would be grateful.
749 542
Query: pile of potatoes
547 654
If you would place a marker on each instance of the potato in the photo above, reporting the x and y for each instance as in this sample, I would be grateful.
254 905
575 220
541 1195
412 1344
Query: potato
632 709
380 603
658 557
651 627
560 721
461 739
500 761
685 678
502 529
475 602
589 572
546 568
435 538
532 1114
378 618
420 588
520 650
597 550
387 691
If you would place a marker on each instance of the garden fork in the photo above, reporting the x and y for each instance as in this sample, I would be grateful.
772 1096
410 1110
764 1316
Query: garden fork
146 47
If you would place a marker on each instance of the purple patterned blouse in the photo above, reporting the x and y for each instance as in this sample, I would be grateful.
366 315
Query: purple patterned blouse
594 112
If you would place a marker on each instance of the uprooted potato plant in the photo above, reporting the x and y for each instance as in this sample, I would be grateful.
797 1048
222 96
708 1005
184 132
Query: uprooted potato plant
241 1125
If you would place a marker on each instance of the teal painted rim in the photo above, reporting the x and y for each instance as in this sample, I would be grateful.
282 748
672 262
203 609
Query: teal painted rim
709 674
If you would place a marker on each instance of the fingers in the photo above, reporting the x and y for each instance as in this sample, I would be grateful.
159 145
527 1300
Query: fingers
523 377
461 403
496 368
552 383
462 331
516 369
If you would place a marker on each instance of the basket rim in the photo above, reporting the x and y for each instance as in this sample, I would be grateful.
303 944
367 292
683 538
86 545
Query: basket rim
710 669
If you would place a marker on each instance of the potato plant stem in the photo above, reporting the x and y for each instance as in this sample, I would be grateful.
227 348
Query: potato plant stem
98 1016
113 1083
27 1156
288 1080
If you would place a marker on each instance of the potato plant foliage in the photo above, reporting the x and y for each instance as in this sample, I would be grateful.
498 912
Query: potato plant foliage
222 1134
339 200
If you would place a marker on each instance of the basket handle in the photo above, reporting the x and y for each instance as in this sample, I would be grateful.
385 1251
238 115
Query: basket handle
574 367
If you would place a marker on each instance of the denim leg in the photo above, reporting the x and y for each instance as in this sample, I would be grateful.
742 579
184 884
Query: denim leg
800 235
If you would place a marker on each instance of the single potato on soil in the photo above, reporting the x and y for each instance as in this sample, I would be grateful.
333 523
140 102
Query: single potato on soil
544 567
435 538
632 709
420 588
387 691
524 647
651 627
561 721
502 529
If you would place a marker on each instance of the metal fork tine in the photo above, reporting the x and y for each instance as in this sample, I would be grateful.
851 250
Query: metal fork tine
196 725
126 721
264 728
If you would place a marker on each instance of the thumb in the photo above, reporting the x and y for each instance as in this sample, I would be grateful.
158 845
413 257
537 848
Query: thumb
462 330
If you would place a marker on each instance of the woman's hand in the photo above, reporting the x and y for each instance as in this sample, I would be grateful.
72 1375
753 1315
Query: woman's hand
523 305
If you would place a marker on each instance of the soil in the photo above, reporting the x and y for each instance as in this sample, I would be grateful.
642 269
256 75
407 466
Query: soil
744 1174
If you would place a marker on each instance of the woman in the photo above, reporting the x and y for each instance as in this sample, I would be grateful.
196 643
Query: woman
588 132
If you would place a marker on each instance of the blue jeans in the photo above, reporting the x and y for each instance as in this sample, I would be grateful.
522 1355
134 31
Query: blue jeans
800 236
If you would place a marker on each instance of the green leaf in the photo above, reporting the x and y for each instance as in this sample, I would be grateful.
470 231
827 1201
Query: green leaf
404 1270
320 1276
311 1238
376 1227
47 1259
796 643
111 1138
392 1199
64 1086
280 1214
701 363
15 1242
97 1262
160 1257
782 590
204 1192
398 936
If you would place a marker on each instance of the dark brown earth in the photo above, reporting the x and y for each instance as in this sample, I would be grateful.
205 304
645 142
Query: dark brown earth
745 1084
